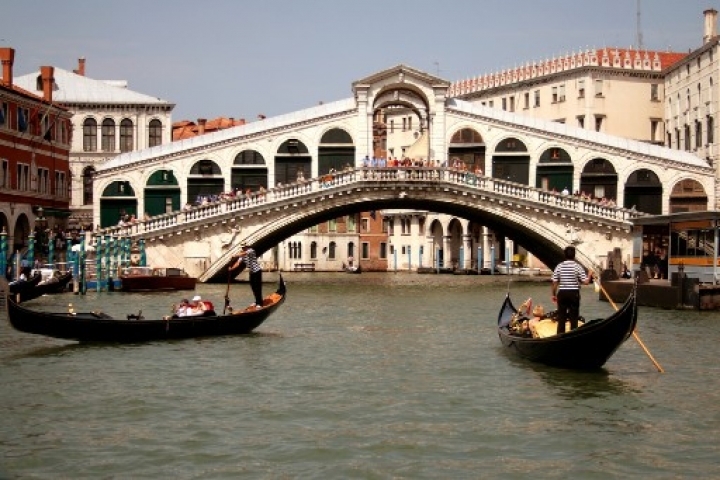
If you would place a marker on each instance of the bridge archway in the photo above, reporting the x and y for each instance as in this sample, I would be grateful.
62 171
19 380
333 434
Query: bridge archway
205 180
249 171
511 161
335 151
599 179
555 170
688 195
118 200
643 191
292 158
162 193
468 146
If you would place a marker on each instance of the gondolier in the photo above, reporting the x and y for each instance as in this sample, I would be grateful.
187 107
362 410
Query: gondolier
566 280
249 258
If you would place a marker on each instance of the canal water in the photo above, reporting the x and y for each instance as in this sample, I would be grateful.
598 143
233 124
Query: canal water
368 376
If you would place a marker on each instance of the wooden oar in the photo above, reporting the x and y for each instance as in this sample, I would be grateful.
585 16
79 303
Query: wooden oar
227 292
634 333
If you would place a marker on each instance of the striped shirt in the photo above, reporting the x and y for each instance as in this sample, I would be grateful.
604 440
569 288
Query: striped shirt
251 261
569 275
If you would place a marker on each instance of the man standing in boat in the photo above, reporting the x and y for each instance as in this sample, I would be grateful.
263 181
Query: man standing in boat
249 258
566 280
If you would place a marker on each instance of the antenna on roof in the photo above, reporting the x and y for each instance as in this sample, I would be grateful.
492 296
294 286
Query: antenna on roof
639 29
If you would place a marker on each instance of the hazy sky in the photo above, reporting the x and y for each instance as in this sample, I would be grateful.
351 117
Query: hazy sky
241 58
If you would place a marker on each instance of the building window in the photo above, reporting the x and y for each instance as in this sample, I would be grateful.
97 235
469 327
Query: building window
332 225
331 251
654 124
23 119
87 179
351 249
383 250
504 103
90 135
43 185
581 88
4 174
654 95
126 136
598 87
3 114
687 138
154 133
698 134
365 224
392 126
491 104
108 135
710 131
351 225
23 176
537 98
598 123
526 100
554 94
365 250
561 93
512 104
60 186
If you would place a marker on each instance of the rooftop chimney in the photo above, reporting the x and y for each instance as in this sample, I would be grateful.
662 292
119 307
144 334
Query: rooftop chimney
7 57
81 67
710 25
201 125
48 80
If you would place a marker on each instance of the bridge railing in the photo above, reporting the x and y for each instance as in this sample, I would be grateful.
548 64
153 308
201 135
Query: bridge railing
242 203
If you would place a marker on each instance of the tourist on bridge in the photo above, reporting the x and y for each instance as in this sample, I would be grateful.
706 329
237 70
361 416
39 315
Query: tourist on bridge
248 257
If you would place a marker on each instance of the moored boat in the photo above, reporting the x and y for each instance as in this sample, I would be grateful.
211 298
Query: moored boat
96 326
586 347
149 279
25 285
56 284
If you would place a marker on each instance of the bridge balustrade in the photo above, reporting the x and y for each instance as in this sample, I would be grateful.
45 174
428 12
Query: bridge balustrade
359 176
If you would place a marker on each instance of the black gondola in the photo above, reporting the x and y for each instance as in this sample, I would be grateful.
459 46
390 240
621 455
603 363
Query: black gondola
53 285
586 347
21 286
100 327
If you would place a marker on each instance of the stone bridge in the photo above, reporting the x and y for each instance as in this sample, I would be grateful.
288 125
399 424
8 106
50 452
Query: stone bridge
204 239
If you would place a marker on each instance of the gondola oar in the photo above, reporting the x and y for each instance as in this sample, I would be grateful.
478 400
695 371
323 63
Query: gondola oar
634 333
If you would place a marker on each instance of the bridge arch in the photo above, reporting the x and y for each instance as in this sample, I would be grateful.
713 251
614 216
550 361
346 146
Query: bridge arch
643 191
555 170
118 200
599 179
467 143
336 150
161 193
290 158
511 160
205 179
688 195
249 171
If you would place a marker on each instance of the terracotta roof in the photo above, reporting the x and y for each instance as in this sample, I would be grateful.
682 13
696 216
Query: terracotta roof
186 129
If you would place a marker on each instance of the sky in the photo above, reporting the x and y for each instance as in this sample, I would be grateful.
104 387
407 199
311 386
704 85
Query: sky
243 58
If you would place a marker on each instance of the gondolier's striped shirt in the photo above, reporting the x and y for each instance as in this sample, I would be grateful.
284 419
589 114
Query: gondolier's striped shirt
569 275
251 261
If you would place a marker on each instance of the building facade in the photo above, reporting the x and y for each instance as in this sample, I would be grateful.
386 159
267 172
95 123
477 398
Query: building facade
107 119
35 141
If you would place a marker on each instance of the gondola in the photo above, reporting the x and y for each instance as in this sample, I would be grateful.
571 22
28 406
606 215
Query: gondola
586 347
22 286
100 327
56 284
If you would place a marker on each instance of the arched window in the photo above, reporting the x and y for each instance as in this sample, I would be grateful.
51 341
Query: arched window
331 251
87 179
313 250
90 135
154 133
108 135
351 249
126 136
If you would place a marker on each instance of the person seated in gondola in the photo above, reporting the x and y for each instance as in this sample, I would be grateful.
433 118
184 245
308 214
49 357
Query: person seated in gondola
538 314
519 321
181 310
199 307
